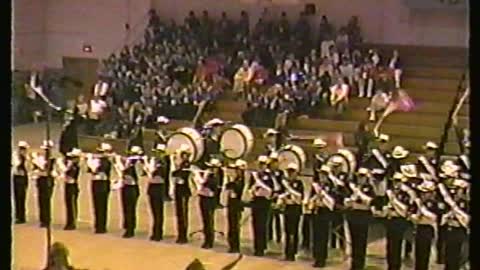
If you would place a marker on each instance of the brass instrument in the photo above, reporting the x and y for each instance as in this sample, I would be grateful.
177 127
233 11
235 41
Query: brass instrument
290 195
266 191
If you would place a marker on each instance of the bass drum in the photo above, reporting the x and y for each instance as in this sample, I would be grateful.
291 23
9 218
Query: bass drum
291 154
349 164
190 137
236 141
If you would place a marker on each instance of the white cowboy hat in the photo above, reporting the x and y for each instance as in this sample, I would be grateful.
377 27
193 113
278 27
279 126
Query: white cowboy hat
325 168
449 167
163 120
262 159
104 147
240 164
363 171
214 162
74 153
460 183
426 186
399 176
160 147
466 143
383 137
270 131
23 144
430 145
273 156
293 166
47 144
319 143
215 122
137 150
399 152
409 170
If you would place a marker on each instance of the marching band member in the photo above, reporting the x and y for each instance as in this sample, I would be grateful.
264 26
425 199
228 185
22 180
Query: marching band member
424 215
99 166
339 181
378 162
233 191
71 171
274 141
427 162
307 220
412 180
261 189
359 215
42 171
129 188
212 141
274 220
456 222
160 134
322 201
292 198
20 180
157 169
463 161
398 157
449 172
180 191
207 191
396 224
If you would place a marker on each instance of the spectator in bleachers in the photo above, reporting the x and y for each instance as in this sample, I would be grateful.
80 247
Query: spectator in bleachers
395 65
339 95
354 32
325 36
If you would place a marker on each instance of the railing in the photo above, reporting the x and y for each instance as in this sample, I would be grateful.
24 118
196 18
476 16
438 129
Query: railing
449 122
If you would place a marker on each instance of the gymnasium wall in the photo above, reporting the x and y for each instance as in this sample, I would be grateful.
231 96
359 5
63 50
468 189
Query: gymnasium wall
28 29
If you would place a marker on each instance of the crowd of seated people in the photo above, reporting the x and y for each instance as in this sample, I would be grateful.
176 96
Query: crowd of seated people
275 67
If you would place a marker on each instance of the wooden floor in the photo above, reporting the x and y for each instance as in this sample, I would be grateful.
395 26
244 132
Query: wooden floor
111 252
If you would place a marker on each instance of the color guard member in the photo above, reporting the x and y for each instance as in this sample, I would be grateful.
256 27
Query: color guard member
274 221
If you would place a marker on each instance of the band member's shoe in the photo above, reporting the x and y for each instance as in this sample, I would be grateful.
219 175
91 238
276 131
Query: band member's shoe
20 221
206 246
233 250
259 253
69 227
128 234
181 241
290 258
43 225
100 231
156 238
319 265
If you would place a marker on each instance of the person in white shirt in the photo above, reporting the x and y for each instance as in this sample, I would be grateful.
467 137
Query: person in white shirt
101 89
97 108
339 94
396 65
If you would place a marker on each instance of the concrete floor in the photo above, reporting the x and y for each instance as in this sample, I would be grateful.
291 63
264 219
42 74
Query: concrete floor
110 251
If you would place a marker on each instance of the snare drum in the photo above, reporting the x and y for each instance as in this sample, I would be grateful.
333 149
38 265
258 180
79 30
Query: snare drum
188 136
236 141
292 154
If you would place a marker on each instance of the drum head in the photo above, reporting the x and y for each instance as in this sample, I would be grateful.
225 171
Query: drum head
176 139
291 154
233 144
236 141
